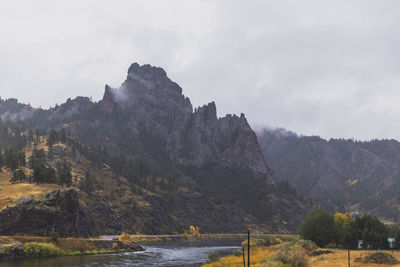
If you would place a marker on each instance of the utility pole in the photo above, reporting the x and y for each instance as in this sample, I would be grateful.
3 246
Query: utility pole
248 248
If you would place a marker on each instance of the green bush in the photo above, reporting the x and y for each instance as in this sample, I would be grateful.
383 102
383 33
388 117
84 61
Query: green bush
293 255
319 227
35 249
238 252
54 236
307 244
212 257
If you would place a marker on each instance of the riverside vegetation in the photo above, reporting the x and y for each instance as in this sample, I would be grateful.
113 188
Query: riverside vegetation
269 251
343 230
321 229
34 247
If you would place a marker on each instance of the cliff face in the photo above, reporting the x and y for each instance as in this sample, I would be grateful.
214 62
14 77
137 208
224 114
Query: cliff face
342 174
151 100
58 211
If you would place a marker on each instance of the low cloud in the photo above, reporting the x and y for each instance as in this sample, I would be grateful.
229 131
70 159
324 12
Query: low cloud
328 68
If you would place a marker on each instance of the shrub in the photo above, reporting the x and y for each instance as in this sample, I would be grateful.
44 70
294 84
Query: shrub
54 236
185 236
307 244
212 257
125 237
238 252
35 249
293 255
194 231
273 264
114 245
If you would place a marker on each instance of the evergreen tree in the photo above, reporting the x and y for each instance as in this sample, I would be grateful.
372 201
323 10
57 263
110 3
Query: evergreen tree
366 239
1 160
30 136
53 138
18 176
39 173
37 134
64 176
38 157
63 135
87 185
21 159
11 159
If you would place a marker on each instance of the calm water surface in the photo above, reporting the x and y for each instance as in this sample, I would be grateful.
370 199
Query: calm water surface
173 253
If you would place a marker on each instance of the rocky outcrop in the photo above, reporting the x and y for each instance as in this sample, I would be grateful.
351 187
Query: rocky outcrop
59 211
197 138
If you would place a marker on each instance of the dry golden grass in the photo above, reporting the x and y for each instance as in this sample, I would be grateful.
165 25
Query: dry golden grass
339 258
10 193
259 255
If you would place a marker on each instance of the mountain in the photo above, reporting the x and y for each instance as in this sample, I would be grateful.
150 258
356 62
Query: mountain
158 165
341 174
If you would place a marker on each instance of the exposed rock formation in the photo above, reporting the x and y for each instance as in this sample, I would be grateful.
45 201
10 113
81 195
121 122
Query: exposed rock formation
192 138
60 211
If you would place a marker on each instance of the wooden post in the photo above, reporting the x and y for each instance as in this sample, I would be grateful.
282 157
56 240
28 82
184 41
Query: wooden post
248 248
348 255
244 258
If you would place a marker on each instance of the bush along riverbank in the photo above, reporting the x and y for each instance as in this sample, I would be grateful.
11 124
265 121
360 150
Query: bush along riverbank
33 247
277 251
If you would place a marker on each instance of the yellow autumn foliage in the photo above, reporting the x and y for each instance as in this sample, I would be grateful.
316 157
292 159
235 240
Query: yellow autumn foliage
125 237
342 219
194 231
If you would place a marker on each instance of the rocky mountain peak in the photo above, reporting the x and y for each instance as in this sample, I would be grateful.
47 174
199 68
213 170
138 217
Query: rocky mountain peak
146 72
207 113
147 89
196 138
107 103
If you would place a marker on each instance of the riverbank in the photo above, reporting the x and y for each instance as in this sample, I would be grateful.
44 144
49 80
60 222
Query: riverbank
12 247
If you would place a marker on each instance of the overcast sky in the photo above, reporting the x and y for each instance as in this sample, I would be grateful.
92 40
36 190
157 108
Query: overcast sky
329 68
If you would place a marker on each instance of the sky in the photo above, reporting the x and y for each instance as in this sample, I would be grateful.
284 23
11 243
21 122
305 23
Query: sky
327 68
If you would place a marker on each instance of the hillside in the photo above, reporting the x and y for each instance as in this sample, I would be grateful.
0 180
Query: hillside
341 174
142 160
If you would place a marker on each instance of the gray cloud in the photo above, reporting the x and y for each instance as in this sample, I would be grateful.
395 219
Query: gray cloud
329 68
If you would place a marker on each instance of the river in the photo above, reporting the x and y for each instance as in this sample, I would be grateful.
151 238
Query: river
166 254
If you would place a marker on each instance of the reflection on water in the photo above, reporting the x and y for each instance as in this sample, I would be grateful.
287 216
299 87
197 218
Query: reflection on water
174 253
